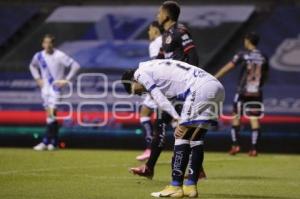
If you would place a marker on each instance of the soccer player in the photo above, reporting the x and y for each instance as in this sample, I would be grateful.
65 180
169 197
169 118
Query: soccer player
148 106
201 94
249 93
177 41
176 44
47 68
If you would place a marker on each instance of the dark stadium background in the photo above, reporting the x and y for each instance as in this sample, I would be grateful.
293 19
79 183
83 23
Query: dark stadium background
111 49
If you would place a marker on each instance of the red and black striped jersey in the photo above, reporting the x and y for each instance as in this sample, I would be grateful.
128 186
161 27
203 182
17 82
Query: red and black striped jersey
254 70
178 44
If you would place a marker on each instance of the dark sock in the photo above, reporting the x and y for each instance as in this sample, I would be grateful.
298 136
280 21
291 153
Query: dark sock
197 157
196 163
157 145
180 161
52 133
47 137
235 135
254 138
147 129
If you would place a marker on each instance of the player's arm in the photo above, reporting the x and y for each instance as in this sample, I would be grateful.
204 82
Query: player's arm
161 100
35 72
189 48
74 67
164 103
225 69
230 65
192 57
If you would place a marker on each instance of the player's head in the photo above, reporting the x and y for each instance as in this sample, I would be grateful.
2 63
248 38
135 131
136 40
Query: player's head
131 86
251 40
168 11
48 42
154 31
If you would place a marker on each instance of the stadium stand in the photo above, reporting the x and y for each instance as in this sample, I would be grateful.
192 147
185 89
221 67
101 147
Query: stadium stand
13 19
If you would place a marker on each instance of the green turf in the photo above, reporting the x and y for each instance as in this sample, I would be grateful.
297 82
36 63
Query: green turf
102 174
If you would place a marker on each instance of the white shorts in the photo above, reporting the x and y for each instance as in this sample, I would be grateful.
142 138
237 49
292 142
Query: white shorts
50 96
201 107
149 102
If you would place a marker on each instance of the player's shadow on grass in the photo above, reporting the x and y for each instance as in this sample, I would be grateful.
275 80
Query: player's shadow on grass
238 196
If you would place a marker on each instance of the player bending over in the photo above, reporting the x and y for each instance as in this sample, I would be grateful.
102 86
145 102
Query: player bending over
254 70
47 68
177 44
201 94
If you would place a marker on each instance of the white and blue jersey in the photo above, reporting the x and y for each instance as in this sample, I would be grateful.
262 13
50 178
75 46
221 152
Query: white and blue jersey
49 68
198 89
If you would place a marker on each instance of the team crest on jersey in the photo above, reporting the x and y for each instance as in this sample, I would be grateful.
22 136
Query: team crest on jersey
168 39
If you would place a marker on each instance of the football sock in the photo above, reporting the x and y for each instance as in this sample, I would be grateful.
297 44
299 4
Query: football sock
147 129
180 161
197 156
51 136
235 135
158 143
254 138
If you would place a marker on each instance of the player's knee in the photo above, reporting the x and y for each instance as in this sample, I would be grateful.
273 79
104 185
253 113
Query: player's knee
51 115
145 111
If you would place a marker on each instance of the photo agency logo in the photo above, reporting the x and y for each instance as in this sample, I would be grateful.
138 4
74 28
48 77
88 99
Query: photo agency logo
101 98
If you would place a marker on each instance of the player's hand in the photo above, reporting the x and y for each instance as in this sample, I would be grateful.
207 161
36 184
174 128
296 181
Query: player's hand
180 131
39 82
60 83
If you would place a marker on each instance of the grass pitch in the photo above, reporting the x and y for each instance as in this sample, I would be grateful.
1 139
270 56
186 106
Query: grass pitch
102 174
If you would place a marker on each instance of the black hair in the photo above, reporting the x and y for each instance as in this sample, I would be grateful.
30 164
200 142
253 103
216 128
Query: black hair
50 36
156 25
127 78
253 38
173 9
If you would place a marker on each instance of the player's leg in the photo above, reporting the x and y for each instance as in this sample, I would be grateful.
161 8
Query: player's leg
181 153
197 157
45 97
52 128
255 135
145 120
157 145
235 128
207 108
253 110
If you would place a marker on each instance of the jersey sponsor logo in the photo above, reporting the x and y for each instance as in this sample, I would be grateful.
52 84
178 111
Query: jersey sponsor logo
185 37
187 42
286 57
168 39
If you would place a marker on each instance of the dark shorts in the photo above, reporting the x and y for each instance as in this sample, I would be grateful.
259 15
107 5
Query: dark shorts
248 105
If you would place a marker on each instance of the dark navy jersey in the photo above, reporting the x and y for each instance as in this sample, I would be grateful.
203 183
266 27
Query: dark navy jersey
177 44
254 70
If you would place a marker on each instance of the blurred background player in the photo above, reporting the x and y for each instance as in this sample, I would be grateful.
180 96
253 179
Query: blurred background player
47 68
204 93
254 70
155 38
176 44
